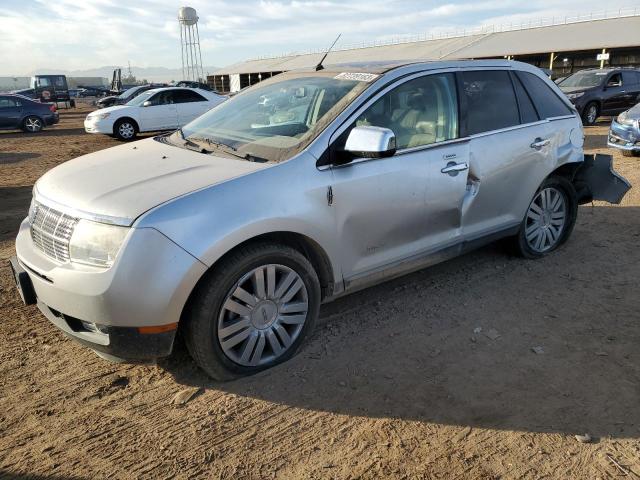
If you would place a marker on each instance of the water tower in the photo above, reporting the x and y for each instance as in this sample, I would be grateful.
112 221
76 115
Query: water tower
190 45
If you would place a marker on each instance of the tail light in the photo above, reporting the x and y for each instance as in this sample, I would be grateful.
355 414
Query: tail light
53 107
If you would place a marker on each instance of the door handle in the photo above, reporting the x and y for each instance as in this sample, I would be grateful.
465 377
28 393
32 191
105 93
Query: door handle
538 143
454 168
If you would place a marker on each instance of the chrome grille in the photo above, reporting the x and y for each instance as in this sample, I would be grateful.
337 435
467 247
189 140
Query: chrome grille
51 231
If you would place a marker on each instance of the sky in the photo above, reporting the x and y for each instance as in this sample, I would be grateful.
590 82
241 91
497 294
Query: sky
81 34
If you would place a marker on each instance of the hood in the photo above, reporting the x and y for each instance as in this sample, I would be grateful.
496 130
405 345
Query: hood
121 183
574 89
634 112
113 108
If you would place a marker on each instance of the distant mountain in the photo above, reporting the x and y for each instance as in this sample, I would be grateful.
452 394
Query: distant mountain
152 74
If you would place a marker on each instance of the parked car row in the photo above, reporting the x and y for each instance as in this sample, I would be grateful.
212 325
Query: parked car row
306 186
153 110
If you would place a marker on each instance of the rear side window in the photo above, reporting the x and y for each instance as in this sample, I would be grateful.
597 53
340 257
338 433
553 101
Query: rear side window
629 78
528 112
7 102
547 103
491 102
186 96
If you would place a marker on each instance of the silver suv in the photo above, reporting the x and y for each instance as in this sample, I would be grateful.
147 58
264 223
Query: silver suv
307 186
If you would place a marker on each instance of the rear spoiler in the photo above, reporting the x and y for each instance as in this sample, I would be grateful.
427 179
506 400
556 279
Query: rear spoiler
595 179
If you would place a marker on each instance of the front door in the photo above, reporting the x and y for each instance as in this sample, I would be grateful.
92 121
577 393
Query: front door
392 210
615 96
160 114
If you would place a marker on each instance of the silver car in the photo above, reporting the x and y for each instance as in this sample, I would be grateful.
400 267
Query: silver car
237 227
625 132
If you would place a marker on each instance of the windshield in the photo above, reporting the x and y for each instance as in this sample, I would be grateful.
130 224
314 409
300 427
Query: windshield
275 119
140 99
128 92
584 80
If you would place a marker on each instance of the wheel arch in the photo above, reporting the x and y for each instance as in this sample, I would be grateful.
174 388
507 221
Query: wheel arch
308 247
131 119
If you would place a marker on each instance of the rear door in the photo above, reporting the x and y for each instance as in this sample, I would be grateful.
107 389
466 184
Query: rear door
190 105
513 147
10 112
391 210
631 87
161 114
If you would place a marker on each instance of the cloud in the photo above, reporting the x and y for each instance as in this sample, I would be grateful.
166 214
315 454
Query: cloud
71 34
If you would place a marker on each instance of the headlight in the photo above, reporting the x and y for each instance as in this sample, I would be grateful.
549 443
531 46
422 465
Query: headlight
575 95
96 244
99 116
624 119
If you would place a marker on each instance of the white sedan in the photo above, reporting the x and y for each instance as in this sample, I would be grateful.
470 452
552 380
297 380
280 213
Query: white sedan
154 110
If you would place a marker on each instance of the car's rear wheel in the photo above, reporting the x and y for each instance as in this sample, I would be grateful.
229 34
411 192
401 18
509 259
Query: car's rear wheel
32 124
253 311
590 114
549 220
125 129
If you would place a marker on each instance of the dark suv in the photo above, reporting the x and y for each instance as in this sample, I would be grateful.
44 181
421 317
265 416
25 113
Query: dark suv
596 92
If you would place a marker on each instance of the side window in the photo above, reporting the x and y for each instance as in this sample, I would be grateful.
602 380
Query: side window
420 112
162 98
547 103
7 102
528 112
615 80
629 78
186 96
491 102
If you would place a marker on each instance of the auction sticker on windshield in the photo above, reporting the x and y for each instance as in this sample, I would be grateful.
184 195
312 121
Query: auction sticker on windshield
359 77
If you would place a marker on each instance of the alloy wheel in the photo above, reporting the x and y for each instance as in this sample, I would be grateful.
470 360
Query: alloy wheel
33 124
262 315
546 219
126 130
592 114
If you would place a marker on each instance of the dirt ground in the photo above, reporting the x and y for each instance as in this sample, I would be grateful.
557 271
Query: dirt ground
397 381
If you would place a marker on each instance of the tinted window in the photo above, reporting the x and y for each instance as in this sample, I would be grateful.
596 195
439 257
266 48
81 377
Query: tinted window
162 98
615 80
185 96
419 112
629 78
547 103
491 103
528 112
7 102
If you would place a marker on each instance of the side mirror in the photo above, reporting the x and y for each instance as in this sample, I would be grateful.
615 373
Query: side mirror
147 103
371 142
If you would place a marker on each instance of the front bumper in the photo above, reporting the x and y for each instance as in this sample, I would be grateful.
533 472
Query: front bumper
130 310
98 126
624 137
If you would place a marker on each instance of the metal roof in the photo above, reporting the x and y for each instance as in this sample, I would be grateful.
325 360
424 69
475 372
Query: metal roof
583 35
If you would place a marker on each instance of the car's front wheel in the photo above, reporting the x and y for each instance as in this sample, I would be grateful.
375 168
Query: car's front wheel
32 124
590 114
549 220
253 311
125 129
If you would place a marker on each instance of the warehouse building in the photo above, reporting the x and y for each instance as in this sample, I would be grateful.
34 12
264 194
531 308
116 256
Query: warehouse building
561 45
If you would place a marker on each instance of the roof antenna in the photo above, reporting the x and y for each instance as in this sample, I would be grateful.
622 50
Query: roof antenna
319 66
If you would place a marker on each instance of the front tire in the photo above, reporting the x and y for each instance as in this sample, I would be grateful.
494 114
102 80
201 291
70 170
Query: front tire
549 219
590 114
253 311
32 124
125 130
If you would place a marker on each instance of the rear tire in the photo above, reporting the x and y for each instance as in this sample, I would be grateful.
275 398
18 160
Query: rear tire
590 114
32 124
549 219
244 318
125 130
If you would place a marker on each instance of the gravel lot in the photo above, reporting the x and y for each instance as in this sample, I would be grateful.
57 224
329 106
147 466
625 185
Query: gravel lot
397 380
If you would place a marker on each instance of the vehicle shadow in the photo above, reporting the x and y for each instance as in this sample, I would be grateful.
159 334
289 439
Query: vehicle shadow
6 475
14 207
47 132
15 157
485 340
